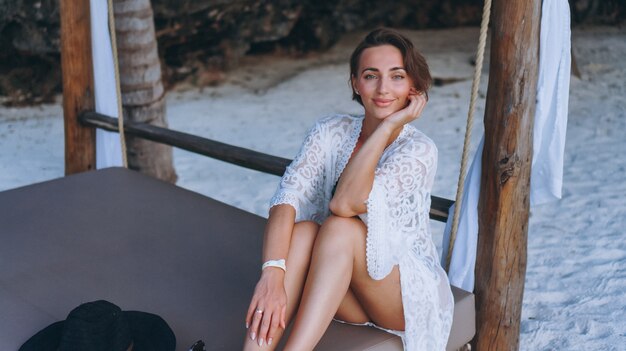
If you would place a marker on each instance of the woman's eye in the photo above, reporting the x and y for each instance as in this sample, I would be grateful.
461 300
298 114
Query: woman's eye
370 76
398 77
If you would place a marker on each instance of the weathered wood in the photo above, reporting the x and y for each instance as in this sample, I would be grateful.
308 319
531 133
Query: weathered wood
506 163
78 93
137 96
142 89
150 77
138 58
228 153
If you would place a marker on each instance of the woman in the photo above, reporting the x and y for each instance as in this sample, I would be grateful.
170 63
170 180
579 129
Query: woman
348 234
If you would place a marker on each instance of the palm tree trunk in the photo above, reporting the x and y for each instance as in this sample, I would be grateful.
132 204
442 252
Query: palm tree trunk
143 96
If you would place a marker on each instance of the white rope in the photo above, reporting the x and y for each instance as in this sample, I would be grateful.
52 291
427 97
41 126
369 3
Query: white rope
480 53
120 112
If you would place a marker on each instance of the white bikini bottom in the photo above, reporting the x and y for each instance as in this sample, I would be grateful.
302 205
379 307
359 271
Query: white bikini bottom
399 333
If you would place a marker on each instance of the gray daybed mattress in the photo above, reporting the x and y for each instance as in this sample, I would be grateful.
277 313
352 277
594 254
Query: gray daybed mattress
145 245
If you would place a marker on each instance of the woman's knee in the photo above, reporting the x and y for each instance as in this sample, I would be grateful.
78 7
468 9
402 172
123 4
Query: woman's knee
340 233
343 225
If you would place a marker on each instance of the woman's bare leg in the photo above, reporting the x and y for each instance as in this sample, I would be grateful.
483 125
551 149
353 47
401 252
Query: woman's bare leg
338 265
298 261
328 281
350 310
381 299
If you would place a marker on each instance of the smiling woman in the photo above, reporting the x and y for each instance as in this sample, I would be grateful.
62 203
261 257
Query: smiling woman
348 234
382 83
413 63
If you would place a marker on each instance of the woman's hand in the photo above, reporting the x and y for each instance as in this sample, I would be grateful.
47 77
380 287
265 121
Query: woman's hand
268 306
417 102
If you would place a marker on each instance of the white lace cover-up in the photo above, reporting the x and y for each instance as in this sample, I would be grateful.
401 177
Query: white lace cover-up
398 229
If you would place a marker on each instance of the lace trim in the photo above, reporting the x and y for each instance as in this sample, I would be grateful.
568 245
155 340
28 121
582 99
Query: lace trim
376 225
285 198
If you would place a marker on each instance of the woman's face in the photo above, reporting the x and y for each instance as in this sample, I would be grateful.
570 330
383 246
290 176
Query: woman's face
382 82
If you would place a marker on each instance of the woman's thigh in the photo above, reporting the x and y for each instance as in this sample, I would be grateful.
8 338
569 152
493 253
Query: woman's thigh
381 300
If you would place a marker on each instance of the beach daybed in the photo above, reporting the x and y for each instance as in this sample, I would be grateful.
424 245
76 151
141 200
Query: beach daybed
137 265
146 245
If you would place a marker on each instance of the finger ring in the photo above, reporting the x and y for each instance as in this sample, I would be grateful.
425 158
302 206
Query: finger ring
258 311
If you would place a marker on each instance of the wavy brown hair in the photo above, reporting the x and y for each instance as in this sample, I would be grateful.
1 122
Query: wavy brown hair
414 63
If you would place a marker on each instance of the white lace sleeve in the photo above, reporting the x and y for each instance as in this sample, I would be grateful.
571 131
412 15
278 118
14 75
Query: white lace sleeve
302 185
399 234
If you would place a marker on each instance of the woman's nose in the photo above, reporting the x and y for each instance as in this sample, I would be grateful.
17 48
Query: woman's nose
382 87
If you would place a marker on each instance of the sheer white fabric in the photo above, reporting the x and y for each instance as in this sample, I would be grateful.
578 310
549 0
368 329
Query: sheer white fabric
108 145
397 217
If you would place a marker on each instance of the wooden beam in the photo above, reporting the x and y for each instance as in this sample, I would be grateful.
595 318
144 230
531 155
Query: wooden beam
78 93
228 153
505 184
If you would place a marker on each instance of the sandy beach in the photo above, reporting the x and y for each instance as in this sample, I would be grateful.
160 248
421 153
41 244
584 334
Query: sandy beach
575 293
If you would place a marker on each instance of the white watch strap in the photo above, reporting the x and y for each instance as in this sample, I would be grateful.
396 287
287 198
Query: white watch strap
275 263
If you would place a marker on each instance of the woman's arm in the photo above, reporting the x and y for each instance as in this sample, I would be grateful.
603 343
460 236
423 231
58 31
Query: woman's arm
277 237
269 293
356 180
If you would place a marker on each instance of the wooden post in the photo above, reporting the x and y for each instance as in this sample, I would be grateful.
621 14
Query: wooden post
507 155
78 94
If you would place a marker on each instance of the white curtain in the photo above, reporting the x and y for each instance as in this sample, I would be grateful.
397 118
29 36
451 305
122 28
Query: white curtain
548 142
108 146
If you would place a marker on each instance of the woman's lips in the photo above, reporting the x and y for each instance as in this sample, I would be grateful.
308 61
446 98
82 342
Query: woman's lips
383 102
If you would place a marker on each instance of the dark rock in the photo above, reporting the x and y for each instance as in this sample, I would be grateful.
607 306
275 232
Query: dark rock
197 35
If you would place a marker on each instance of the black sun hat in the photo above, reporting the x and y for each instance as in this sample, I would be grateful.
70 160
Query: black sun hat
102 326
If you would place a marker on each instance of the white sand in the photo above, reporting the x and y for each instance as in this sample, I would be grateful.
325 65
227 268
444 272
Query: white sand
575 294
